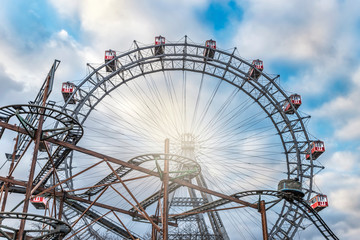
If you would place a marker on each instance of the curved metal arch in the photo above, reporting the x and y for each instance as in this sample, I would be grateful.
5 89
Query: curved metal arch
225 66
259 89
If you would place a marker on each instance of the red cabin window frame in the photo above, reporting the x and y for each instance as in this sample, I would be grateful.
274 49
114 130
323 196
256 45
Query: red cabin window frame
316 149
319 202
159 40
67 87
210 44
254 74
110 54
67 90
39 202
295 100
258 64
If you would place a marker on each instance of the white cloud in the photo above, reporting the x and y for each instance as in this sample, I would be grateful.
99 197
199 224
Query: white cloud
63 34
319 34
102 25
350 131
340 185
115 24
344 111
291 30
315 36
343 199
342 161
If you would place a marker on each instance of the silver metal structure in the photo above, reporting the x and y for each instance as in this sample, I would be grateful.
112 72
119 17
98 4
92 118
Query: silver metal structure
132 72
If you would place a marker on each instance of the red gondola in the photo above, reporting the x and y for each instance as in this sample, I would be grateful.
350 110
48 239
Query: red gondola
257 65
39 202
319 202
159 45
296 102
67 91
316 148
110 55
209 51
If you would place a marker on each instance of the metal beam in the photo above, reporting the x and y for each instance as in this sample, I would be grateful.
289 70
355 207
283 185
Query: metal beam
22 189
147 171
262 211
133 166
165 216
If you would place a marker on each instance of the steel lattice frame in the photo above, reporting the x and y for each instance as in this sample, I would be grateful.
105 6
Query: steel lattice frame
52 228
184 162
229 67
303 206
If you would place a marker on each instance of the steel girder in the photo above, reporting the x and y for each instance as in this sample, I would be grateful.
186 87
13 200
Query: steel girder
229 67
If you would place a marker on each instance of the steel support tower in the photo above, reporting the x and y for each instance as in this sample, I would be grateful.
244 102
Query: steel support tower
209 225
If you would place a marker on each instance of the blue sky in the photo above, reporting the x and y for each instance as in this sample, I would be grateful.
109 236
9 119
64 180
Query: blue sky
40 21
312 45
218 16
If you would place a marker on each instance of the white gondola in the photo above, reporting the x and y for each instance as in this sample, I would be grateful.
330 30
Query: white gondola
291 186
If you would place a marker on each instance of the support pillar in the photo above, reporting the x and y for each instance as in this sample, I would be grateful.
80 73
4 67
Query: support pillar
165 216
10 170
33 163
262 211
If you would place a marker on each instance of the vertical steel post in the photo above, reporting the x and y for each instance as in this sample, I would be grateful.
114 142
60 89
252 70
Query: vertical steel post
9 176
54 199
166 192
33 163
153 230
262 211
61 208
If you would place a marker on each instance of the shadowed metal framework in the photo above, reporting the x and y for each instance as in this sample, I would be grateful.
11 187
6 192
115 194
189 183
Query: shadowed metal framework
182 56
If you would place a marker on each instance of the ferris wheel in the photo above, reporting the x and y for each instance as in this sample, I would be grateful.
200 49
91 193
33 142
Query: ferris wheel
177 140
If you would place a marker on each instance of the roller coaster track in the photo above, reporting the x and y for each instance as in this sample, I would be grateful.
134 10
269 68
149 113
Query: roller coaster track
315 218
310 213
71 131
75 209
84 229
184 56
228 66
190 165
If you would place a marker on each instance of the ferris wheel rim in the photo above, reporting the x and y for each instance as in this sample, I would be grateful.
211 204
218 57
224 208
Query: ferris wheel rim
226 66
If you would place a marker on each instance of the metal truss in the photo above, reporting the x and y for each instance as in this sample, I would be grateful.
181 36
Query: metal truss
229 67
191 169
50 229
297 203
180 56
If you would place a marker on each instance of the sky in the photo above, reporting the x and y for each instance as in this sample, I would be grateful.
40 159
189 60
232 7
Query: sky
312 45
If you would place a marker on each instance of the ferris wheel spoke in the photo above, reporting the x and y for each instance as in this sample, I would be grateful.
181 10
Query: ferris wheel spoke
208 104
230 125
229 122
220 113
194 115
